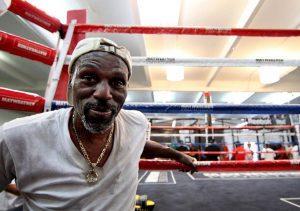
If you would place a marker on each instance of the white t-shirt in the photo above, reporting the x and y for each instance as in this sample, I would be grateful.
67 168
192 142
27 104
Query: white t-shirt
9 201
268 154
50 171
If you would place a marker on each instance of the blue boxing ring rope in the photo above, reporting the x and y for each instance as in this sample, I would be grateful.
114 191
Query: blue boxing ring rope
199 108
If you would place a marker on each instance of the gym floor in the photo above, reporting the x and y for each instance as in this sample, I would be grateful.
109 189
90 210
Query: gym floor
177 191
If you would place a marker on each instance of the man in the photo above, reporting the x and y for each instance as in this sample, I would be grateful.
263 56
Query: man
239 153
281 153
85 157
225 157
249 152
214 149
268 153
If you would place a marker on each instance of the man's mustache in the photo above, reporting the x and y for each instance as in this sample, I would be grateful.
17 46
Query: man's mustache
100 106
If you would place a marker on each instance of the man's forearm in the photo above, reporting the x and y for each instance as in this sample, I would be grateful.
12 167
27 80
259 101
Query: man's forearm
153 149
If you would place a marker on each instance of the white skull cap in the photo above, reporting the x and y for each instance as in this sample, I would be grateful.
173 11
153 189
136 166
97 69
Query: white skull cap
100 44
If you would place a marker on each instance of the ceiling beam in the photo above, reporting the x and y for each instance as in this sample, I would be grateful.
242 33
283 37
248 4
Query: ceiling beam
142 45
245 19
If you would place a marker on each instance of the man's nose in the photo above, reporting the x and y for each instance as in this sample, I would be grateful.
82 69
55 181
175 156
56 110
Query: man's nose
103 91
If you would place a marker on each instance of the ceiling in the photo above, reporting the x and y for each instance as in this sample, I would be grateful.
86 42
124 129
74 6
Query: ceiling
146 82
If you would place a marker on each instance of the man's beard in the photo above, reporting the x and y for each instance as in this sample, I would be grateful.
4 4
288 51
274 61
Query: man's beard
98 125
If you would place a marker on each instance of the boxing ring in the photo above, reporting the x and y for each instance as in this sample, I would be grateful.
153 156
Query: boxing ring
58 59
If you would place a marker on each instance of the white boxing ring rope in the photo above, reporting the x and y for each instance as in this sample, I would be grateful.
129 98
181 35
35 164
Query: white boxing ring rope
210 62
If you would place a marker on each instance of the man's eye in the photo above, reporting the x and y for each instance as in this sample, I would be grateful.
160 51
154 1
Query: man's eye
119 83
89 78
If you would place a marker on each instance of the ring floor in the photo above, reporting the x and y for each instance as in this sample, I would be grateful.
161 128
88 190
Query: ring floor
176 191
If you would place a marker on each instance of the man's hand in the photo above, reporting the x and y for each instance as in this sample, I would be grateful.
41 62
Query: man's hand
188 161
12 188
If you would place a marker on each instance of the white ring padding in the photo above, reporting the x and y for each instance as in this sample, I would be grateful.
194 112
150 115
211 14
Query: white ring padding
4 5
57 67
221 134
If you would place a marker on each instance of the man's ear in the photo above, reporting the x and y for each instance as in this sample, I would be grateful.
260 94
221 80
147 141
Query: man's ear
69 83
69 91
70 80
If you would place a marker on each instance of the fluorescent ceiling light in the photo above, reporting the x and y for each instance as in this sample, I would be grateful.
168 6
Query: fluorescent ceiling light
175 73
280 97
272 74
163 96
236 97
269 75
162 13
159 12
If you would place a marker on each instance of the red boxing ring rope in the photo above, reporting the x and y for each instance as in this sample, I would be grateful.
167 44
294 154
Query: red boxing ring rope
232 152
35 15
39 17
21 101
80 28
27 49
276 165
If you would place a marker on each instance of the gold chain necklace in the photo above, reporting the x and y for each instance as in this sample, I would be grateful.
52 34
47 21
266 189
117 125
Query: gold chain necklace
91 175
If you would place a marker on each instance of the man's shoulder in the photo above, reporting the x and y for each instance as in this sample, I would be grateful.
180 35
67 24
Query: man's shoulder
133 113
132 116
32 121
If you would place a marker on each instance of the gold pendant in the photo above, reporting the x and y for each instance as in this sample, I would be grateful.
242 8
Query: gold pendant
91 176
